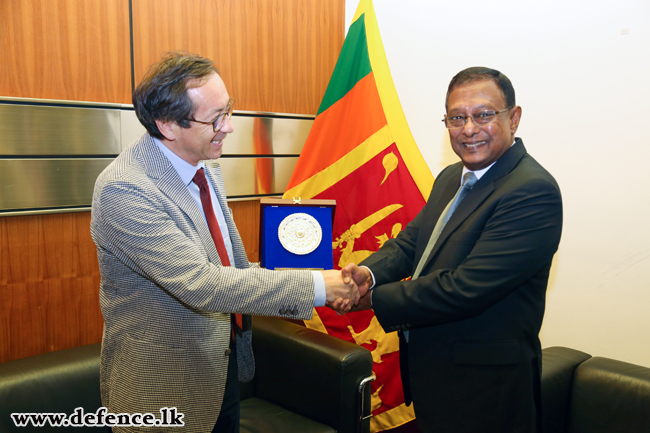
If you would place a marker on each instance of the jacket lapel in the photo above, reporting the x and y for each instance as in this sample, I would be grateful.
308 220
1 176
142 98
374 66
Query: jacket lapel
166 178
443 191
479 193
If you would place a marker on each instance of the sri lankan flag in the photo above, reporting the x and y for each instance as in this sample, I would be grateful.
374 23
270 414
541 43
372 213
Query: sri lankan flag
360 152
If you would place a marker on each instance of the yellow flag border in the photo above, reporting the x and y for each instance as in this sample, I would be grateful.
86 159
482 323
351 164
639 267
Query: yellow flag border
390 101
390 419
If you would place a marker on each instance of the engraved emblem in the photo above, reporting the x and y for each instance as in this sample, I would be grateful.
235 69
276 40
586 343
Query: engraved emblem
300 233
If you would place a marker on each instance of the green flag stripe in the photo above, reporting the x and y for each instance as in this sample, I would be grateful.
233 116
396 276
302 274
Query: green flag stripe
353 64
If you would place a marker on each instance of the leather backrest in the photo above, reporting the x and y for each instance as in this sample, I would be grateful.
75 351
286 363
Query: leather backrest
610 396
56 382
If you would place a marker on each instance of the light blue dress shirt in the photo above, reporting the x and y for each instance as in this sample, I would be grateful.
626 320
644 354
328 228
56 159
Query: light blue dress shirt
187 171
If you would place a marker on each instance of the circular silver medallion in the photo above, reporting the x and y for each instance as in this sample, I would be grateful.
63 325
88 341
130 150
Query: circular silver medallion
300 233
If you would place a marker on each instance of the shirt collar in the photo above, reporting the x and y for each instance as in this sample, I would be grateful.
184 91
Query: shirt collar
184 169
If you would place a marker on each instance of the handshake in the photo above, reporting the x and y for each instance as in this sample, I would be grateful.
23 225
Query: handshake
348 289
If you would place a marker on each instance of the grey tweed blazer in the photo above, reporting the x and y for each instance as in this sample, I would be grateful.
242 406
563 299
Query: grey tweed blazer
166 299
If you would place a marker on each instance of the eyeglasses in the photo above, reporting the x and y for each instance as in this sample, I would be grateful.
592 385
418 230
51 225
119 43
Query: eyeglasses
483 118
217 123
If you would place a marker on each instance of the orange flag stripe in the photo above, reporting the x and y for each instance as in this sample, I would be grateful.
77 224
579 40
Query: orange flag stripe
357 116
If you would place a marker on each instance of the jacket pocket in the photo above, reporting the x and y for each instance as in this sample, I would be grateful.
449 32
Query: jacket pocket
147 377
492 353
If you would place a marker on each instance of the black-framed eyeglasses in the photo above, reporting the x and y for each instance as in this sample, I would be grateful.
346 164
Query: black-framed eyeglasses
218 122
482 118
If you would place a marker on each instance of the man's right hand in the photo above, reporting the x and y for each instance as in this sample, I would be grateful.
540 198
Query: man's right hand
336 288
360 275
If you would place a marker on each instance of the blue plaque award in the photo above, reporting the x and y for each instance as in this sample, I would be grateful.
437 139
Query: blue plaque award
296 234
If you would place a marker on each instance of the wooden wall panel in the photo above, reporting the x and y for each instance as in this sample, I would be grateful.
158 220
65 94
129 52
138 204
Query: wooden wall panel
65 49
247 218
49 284
274 55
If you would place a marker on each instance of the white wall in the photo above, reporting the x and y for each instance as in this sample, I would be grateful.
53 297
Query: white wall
582 77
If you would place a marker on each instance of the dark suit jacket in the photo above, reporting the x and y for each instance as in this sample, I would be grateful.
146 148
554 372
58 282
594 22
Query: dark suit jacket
473 359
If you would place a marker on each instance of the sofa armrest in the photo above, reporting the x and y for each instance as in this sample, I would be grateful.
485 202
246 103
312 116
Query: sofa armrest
310 373
558 366
56 382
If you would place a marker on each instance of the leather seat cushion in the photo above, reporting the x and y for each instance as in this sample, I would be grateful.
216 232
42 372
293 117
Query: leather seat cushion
260 416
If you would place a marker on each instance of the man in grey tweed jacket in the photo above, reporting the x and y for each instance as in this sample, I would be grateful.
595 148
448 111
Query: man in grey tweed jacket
165 296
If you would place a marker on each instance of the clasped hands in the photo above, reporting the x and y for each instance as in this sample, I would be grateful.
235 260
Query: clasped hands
348 289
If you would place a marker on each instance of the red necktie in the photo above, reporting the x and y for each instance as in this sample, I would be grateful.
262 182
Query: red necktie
200 180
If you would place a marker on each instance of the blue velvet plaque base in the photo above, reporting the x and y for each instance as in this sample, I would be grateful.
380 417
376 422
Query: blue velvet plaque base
274 255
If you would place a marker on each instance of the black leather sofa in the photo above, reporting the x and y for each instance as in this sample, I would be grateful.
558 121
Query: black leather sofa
306 381
582 394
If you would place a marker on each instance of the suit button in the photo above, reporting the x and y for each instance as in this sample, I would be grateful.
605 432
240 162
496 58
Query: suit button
228 352
281 311
392 328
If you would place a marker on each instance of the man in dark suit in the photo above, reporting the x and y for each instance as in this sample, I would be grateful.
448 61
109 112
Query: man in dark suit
469 318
